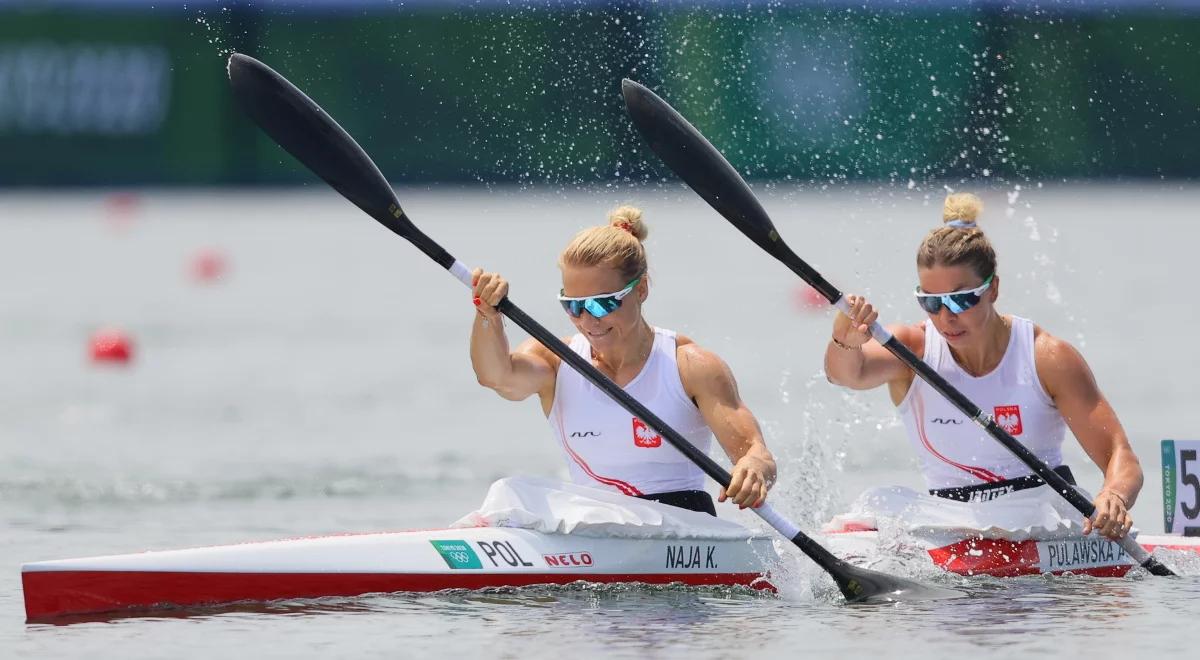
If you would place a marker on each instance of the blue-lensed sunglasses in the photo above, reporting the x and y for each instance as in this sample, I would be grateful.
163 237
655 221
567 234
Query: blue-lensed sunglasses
956 301
598 306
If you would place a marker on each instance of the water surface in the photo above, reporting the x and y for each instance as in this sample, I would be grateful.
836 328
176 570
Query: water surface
323 386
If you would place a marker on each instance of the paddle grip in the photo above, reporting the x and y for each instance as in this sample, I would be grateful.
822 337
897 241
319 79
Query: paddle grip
814 550
461 271
879 332
781 524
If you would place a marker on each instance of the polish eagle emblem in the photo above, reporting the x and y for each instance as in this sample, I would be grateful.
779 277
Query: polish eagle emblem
1009 419
644 436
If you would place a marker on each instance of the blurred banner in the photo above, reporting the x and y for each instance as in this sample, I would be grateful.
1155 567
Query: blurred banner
126 92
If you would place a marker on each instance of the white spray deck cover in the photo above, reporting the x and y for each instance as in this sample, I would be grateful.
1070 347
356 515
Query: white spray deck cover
560 508
1035 513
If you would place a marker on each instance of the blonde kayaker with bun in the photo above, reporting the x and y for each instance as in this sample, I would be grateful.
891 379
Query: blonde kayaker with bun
604 289
1035 384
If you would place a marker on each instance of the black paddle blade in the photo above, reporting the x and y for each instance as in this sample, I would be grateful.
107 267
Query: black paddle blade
706 171
307 132
1156 567
698 163
861 585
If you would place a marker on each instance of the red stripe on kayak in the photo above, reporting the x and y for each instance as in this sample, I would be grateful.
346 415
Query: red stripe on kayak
995 557
1150 546
1001 558
850 527
56 593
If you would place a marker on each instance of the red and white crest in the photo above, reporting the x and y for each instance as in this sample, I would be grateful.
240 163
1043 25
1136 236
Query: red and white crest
644 436
1009 418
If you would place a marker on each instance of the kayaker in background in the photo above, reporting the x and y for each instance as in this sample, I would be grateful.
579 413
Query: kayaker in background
1035 384
604 286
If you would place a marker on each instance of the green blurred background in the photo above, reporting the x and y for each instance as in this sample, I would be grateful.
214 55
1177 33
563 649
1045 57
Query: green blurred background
125 93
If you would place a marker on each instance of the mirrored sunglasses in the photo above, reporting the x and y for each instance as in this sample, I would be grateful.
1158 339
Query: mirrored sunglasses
598 306
956 301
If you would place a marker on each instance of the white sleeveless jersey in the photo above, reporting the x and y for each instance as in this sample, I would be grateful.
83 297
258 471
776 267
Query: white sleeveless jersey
953 450
606 447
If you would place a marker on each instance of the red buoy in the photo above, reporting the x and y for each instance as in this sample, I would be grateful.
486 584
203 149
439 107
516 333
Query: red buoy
809 299
111 346
121 209
209 266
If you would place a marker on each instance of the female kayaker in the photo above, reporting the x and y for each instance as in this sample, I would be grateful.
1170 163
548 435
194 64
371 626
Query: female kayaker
604 288
1035 384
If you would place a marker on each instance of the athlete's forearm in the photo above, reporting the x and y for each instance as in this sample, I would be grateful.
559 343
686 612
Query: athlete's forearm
490 354
763 455
1123 475
755 450
844 366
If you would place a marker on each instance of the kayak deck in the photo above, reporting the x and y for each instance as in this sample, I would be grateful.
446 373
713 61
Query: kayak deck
357 564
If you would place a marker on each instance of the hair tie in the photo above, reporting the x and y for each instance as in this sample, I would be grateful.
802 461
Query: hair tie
962 224
626 226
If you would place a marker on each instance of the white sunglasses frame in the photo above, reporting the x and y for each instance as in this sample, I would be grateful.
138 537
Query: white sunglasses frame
948 302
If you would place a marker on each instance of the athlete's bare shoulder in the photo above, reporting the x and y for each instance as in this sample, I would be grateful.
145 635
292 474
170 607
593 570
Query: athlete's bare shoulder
700 368
691 355
1060 366
1052 350
535 348
912 336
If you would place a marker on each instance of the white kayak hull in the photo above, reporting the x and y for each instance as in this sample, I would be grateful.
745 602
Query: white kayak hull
1086 555
356 564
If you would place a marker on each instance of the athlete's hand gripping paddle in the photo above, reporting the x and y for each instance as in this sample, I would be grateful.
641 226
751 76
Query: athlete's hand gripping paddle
302 128
706 171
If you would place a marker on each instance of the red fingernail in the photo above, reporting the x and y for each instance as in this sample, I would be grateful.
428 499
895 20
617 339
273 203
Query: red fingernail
477 301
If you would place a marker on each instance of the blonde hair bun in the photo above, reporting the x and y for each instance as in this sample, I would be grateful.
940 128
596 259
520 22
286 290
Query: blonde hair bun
629 218
962 206
617 244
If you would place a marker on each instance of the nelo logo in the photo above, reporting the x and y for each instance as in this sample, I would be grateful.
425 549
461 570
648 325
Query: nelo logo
1009 418
643 436
946 420
569 559
585 434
